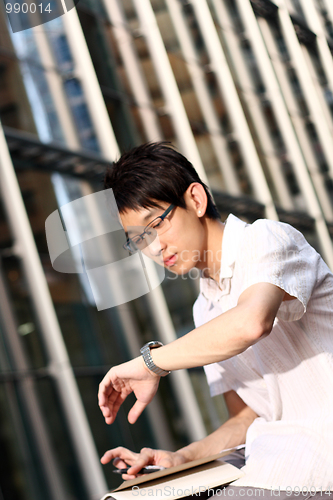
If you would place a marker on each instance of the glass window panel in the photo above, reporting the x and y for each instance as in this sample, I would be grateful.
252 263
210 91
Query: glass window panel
17 476
96 30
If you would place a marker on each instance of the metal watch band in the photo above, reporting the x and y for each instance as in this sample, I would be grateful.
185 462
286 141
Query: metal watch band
145 351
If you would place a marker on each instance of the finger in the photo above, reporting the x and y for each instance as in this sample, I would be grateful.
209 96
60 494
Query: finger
112 397
111 414
105 388
126 477
102 392
120 464
111 407
108 456
118 455
146 457
136 411
108 408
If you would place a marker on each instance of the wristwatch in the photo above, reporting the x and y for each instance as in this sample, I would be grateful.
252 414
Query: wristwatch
145 351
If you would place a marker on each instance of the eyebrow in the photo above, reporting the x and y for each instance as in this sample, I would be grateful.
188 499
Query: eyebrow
151 214
147 217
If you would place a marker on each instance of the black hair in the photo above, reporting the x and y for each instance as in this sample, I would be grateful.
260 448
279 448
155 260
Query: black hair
151 173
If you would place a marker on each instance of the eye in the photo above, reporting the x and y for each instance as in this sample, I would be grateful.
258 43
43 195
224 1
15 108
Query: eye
137 239
157 224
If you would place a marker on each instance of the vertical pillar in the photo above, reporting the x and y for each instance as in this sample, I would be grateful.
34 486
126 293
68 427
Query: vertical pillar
313 19
308 89
252 99
329 7
209 114
231 99
133 70
293 142
173 100
26 389
84 70
55 83
59 366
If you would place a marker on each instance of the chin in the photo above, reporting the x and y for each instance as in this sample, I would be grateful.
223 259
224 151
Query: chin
183 270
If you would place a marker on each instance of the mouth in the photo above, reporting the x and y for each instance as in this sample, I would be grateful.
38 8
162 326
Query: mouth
169 261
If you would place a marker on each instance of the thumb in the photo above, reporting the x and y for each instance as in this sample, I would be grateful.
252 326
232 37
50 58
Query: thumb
136 411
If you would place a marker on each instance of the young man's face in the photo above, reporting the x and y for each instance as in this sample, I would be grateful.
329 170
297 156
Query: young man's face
181 246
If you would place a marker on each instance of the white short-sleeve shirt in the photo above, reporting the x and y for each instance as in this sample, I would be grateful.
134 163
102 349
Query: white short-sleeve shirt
287 377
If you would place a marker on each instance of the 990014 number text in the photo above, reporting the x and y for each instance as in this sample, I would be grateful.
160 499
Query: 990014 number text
25 8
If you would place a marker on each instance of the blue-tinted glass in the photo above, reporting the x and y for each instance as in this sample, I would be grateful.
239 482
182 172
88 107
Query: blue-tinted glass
62 50
81 115
73 88
92 144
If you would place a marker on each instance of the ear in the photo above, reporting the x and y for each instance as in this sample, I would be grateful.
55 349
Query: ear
196 199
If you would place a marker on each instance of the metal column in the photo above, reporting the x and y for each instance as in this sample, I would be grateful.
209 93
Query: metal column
26 389
133 70
84 70
232 102
208 111
174 103
319 90
55 83
308 89
252 99
313 19
293 142
60 367
156 417
329 7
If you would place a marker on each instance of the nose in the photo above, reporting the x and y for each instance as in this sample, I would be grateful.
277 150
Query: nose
155 249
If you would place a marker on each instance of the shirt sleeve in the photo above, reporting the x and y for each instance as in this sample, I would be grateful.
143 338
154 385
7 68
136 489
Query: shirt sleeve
218 379
274 252
197 311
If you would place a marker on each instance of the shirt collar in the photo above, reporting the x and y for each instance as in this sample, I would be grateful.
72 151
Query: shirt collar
232 235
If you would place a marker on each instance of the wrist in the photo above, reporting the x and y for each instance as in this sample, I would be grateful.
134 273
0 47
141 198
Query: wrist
146 352
145 367
189 452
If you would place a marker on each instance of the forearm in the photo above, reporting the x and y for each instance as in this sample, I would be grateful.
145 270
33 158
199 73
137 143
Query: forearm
214 341
221 338
232 433
225 336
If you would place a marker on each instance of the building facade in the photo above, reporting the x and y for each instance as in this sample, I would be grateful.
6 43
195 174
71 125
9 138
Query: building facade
245 90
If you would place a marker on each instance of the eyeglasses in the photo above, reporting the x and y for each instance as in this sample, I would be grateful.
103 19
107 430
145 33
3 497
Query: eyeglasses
156 227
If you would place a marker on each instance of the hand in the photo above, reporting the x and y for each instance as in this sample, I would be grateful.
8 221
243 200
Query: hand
122 457
119 382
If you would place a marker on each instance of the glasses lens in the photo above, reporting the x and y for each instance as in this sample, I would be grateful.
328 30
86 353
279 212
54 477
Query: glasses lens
141 240
158 225
137 242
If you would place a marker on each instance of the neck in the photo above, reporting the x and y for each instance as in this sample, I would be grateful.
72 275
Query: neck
210 263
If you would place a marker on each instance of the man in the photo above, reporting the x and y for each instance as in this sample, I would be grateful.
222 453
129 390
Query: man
264 329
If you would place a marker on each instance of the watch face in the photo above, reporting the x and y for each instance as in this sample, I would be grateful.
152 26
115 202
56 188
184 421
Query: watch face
154 343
